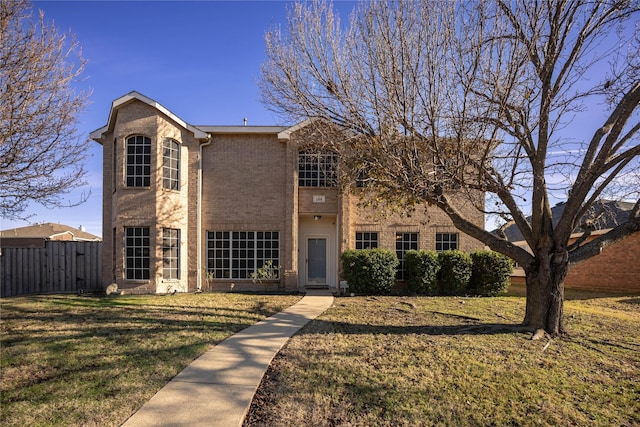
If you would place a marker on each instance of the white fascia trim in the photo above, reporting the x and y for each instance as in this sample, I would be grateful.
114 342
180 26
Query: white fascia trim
285 135
97 134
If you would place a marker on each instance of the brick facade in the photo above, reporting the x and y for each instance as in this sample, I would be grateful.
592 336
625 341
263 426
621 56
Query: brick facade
615 269
245 185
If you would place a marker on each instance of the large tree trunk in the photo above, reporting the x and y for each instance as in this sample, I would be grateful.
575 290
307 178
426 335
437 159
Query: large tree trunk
545 292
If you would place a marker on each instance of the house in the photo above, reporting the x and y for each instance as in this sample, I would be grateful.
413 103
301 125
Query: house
35 236
204 207
615 269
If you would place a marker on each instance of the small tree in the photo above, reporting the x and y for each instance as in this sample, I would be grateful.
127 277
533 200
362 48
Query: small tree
422 271
455 273
41 152
490 273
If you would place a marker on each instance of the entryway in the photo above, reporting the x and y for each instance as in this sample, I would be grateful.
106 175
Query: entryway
317 261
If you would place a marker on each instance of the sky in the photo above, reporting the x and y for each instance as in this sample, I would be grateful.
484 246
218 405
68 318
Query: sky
199 59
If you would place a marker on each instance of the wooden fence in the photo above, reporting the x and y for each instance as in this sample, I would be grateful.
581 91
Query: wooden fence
61 266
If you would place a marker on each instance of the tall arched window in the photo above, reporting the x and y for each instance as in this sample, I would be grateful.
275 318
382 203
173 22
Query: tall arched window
170 164
138 161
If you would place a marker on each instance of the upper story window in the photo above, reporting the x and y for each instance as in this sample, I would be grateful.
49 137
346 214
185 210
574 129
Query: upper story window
170 164
138 161
317 169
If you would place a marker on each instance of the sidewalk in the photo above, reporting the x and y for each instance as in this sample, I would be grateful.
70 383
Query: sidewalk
217 388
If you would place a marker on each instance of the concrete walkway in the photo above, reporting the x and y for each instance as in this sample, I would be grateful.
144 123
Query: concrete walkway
217 388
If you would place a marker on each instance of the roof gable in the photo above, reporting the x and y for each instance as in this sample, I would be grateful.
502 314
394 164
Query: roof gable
136 96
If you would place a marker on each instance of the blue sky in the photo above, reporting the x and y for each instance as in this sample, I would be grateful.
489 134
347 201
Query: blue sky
200 59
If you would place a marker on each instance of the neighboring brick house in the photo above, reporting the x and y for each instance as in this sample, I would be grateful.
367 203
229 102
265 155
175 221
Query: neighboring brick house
34 236
202 207
615 269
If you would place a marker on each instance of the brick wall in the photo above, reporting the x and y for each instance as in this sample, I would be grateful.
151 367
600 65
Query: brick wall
423 219
616 269
246 188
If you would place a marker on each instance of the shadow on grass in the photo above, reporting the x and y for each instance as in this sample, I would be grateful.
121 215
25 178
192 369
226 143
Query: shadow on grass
476 328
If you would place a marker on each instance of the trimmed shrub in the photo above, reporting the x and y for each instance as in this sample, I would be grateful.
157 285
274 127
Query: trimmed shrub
369 271
422 271
455 272
490 273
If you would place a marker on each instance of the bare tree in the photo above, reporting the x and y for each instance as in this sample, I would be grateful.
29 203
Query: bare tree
41 152
439 100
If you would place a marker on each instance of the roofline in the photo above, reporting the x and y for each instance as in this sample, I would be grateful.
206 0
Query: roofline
285 135
241 129
132 96
572 236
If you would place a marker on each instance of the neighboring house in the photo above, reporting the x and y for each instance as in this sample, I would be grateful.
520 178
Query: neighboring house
203 207
616 268
35 236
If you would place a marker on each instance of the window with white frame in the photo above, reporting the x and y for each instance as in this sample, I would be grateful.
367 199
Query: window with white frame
171 253
237 254
137 253
170 164
446 241
366 240
404 242
138 172
317 169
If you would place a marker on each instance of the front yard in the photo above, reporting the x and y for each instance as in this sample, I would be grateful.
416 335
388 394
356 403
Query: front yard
368 361
387 361
93 361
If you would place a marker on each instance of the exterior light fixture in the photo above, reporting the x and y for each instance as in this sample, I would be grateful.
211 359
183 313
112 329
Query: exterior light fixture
316 217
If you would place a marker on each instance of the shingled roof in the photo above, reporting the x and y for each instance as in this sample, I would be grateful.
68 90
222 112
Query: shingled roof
48 231
603 215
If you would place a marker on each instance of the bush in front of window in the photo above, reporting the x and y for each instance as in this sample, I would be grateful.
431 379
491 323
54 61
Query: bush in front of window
490 273
455 272
369 271
422 271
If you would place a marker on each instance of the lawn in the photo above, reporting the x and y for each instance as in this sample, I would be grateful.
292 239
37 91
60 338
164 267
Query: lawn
93 361
406 361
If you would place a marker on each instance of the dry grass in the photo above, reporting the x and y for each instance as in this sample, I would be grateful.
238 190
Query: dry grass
90 361
396 361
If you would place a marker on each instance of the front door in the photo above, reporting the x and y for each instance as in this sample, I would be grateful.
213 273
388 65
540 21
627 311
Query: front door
316 261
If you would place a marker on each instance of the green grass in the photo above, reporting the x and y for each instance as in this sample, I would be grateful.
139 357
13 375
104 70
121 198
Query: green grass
93 361
400 361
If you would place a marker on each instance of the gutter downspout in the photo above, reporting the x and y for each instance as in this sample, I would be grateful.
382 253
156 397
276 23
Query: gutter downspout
199 218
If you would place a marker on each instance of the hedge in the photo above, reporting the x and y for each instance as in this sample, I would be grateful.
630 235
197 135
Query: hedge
455 272
422 271
369 271
490 274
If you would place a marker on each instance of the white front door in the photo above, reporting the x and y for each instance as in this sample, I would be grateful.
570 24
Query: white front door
317 261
